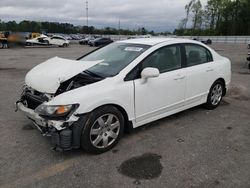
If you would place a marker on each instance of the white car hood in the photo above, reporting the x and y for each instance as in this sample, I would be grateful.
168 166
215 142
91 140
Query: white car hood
47 77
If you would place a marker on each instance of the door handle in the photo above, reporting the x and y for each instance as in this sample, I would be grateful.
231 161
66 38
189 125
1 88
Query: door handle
179 78
209 70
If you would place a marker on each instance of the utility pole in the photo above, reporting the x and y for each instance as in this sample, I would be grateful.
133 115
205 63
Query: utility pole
87 15
119 25
87 12
119 29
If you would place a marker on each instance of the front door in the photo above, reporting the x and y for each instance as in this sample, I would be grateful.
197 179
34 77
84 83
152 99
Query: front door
161 96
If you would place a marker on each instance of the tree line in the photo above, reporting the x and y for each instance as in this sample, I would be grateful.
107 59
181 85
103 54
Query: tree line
217 17
55 27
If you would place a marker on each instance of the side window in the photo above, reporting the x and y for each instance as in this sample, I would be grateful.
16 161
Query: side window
56 38
165 59
197 55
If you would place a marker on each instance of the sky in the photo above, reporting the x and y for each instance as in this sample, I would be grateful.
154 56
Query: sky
157 15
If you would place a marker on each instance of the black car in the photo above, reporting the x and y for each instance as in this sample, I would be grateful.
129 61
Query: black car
209 41
248 60
100 42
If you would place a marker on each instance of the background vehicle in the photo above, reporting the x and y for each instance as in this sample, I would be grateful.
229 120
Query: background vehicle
45 40
40 40
86 40
58 40
100 42
248 59
83 41
88 103
208 41
34 35
75 37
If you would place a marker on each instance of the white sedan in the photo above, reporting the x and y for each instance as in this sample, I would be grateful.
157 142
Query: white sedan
45 40
90 102
58 41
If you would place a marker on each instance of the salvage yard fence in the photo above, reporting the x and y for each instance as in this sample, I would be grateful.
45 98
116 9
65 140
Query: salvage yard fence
216 39
223 39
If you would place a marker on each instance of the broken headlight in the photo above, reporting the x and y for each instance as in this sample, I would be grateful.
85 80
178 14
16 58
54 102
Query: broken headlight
56 111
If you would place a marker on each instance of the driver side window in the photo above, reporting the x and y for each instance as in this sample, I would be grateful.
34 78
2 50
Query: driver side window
165 59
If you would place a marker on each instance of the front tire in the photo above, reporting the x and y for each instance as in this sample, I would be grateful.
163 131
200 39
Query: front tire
102 130
46 42
215 95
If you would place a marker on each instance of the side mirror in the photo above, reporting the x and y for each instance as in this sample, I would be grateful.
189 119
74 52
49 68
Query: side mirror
150 73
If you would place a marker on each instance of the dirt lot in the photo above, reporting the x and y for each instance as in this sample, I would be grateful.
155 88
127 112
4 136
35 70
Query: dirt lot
195 148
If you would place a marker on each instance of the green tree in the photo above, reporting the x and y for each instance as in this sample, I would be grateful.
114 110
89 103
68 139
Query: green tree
196 9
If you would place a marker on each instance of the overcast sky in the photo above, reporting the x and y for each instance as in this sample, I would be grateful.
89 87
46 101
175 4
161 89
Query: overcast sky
158 15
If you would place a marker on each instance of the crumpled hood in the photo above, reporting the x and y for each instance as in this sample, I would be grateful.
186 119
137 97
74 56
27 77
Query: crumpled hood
47 77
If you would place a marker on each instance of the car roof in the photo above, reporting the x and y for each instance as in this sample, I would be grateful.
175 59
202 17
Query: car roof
155 41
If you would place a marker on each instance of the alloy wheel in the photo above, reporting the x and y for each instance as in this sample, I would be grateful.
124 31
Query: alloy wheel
216 94
104 131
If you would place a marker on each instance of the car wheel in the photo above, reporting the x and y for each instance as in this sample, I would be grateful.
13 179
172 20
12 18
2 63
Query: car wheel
64 45
46 42
215 95
102 130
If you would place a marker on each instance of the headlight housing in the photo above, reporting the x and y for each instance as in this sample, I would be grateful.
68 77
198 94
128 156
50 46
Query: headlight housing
56 110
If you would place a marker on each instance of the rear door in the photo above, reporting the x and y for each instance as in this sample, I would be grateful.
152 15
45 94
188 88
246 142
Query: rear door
200 72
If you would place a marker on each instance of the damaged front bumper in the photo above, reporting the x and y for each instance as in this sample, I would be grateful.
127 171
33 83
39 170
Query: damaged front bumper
65 134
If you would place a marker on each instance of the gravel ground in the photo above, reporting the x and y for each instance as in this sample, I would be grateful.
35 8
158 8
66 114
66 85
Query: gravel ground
195 148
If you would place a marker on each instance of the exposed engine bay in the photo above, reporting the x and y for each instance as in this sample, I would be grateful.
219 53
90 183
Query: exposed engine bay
32 98
80 80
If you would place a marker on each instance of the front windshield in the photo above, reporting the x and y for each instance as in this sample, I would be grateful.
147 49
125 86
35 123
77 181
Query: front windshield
115 57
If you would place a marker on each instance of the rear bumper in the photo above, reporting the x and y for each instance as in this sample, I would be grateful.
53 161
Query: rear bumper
65 135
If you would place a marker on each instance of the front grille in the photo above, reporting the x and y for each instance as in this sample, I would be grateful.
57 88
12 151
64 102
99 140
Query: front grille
33 99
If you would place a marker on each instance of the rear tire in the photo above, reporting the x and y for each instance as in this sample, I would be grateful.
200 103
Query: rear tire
215 95
102 130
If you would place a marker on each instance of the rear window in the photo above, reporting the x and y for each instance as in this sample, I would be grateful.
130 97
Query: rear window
197 54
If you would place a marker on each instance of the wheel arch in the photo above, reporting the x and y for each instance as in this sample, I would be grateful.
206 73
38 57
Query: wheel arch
128 125
222 80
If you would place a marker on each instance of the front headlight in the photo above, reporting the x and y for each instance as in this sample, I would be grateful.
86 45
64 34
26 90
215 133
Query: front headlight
56 111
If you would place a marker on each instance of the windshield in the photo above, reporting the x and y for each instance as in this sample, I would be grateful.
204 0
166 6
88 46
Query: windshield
115 57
